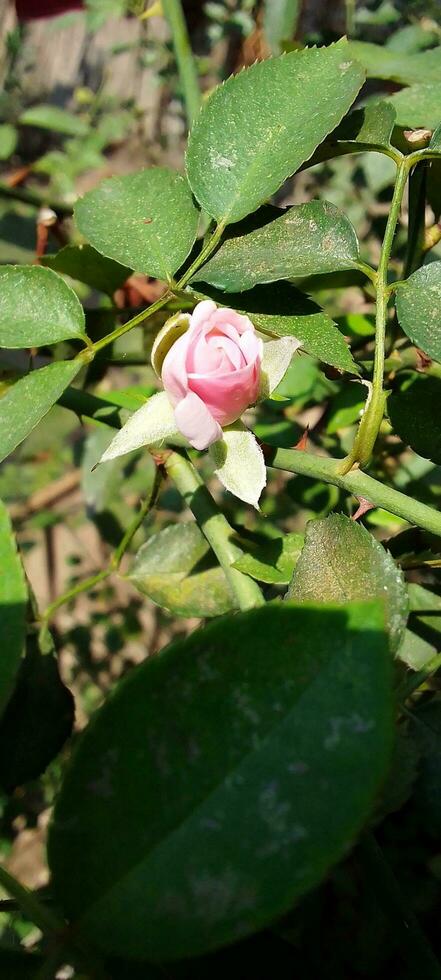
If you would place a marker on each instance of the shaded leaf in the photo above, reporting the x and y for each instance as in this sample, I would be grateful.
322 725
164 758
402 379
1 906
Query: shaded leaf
418 301
259 126
414 412
8 140
341 561
37 308
145 220
274 561
196 809
29 399
178 571
306 239
371 125
380 62
84 263
38 718
281 310
13 602
426 729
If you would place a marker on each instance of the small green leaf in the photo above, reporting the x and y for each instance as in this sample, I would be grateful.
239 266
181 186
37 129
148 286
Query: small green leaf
418 105
371 125
414 412
51 117
346 408
240 464
84 263
37 720
29 399
380 62
306 239
178 571
281 310
418 308
273 562
13 601
145 220
37 308
341 561
259 126
196 809
435 142
8 140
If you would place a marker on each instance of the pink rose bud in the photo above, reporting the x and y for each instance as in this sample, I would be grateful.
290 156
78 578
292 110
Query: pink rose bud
212 372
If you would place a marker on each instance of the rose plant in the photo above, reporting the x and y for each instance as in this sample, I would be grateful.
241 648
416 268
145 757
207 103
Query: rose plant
215 791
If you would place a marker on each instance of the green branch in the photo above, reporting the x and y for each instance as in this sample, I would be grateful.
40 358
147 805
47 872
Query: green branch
373 414
115 560
214 526
30 905
357 483
184 57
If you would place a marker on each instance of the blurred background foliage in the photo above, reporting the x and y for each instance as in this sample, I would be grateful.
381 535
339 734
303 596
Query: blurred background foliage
91 91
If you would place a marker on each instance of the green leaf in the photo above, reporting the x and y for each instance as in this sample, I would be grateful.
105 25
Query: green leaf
37 720
341 561
29 399
51 117
196 809
259 126
84 263
411 38
145 220
281 310
371 125
37 307
435 142
418 308
8 140
274 561
13 601
178 571
419 105
380 62
414 412
423 639
305 240
346 407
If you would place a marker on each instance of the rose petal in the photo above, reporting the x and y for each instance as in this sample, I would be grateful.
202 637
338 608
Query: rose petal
196 423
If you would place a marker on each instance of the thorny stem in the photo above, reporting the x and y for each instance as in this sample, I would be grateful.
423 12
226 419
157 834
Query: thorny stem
374 411
184 57
214 526
115 560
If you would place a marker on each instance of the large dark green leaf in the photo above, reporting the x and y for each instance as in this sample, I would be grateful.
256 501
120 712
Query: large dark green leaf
305 240
37 307
418 308
283 311
13 600
259 126
146 220
177 569
84 263
223 779
415 413
340 562
37 719
29 399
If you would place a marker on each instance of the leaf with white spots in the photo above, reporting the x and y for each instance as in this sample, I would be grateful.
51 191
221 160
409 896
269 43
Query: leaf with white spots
258 127
340 562
418 308
239 462
151 425
197 808
304 240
